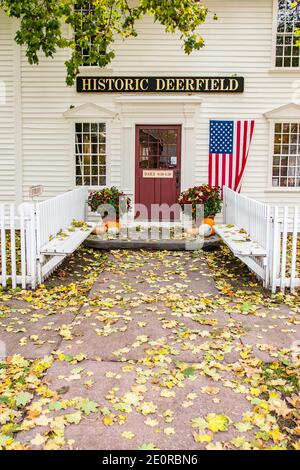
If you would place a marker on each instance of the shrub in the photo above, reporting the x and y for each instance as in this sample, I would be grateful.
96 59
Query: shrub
107 196
207 195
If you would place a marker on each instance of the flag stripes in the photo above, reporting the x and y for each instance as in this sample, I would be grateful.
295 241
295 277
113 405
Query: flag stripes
229 150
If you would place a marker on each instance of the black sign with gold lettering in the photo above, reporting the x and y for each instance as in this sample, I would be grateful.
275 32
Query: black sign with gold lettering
160 85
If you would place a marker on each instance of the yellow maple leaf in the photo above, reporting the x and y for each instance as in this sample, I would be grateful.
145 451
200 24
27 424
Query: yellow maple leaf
201 438
192 396
128 435
210 390
255 391
147 408
169 431
151 422
107 420
167 393
276 435
131 398
38 440
216 422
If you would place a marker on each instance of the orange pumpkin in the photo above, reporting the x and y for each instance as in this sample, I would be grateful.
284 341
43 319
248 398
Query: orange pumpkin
100 230
112 225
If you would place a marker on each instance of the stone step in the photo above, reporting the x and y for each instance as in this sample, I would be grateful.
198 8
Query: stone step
169 245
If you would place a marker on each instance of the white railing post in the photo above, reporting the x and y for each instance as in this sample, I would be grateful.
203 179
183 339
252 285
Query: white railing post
3 245
33 247
284 249
294 248
270 227
224 204
268 259
23 245
29 214
275 264
13 247
35 223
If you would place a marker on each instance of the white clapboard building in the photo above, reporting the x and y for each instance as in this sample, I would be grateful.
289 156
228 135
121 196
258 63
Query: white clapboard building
154 121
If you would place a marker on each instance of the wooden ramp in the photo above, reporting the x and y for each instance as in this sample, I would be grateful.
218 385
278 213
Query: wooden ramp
67 244
247 250
238 241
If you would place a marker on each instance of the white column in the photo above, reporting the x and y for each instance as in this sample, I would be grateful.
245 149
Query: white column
188 158
18 124
128 156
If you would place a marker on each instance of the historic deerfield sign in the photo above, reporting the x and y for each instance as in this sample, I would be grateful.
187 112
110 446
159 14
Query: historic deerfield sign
160 84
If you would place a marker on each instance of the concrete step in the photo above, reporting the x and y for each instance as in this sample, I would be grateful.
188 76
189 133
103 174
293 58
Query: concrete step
169 245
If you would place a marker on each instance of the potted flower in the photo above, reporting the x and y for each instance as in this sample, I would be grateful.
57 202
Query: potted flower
106 199
206 195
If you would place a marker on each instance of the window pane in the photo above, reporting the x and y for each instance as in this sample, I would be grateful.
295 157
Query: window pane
102 159
287 22
286 158
90 155
83 10
276 161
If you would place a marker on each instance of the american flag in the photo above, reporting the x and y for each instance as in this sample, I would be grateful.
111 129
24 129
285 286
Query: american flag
228 152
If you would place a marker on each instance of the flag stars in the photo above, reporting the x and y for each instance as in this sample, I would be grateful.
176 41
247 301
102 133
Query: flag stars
221 136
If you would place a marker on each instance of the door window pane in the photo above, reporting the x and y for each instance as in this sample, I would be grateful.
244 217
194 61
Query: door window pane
158 148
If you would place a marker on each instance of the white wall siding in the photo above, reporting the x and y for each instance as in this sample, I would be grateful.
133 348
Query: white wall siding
46 135
7 123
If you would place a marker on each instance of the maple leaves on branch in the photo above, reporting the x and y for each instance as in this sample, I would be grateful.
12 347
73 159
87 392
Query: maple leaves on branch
92 32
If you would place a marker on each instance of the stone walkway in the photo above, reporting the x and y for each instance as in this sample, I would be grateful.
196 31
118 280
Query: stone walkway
161 359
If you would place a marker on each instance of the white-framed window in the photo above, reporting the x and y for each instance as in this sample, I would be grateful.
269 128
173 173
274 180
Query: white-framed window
91 154
287 53
286 155
87 8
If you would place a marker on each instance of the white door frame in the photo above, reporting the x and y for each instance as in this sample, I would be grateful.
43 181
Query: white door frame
157 110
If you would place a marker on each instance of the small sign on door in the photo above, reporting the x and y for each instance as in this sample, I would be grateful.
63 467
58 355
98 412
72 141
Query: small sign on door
158 174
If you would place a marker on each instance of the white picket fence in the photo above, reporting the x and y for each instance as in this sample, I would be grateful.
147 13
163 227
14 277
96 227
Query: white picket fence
285 249
26 229
277 230
18 263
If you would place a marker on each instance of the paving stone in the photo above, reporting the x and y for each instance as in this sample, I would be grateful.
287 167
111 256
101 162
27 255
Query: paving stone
110 437
33 339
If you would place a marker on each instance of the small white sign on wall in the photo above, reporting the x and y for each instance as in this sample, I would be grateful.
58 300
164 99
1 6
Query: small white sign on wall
158 174
35 191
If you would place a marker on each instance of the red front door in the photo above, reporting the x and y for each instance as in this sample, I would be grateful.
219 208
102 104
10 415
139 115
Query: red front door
158 170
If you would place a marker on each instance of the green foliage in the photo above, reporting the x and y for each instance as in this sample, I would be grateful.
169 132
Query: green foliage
107 197
205 195
295 6
43 26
